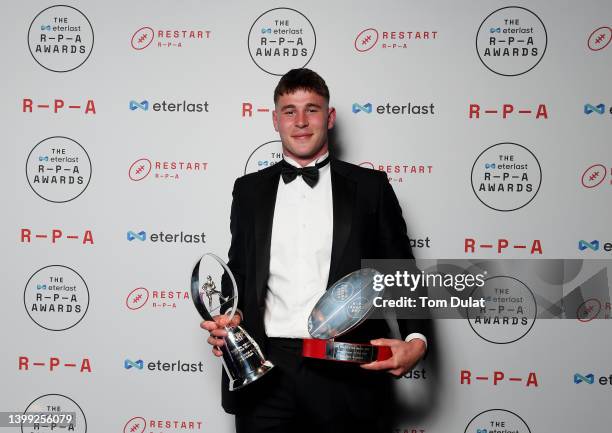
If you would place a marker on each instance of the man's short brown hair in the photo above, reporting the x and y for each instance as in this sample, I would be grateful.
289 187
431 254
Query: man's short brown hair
301 79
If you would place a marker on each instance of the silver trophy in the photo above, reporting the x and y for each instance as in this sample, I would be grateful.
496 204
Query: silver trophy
345 305
242 357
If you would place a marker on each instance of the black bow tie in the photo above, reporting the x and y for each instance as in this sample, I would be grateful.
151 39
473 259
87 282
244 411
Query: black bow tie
309 174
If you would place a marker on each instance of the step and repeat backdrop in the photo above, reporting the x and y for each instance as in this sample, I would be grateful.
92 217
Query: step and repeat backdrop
126 123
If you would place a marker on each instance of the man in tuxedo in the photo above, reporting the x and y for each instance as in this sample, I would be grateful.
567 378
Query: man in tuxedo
297 227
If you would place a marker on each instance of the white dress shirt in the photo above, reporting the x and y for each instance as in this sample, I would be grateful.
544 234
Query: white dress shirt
300 253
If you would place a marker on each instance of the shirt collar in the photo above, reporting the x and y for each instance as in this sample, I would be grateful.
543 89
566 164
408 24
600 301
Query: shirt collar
311 164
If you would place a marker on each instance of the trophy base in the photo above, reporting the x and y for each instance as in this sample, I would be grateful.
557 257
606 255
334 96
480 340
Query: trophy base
331 350
244 381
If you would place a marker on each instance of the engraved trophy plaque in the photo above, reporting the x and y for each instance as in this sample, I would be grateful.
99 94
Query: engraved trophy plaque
342 307
242 358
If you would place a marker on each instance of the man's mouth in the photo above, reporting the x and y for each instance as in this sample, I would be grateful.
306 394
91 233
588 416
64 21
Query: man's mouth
301 136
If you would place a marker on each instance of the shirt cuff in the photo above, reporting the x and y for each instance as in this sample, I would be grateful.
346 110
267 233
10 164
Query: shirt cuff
416 335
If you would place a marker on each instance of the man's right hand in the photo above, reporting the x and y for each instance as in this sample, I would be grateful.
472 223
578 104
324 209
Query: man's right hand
217 331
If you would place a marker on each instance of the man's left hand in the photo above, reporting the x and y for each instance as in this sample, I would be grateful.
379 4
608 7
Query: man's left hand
405 355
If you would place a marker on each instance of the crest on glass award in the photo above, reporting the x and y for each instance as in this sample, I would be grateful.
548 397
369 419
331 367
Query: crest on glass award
243 361
343 307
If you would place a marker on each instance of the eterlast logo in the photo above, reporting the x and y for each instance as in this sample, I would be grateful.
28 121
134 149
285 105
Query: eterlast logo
177 106
178 366
181 237
388 108
594 245
590 379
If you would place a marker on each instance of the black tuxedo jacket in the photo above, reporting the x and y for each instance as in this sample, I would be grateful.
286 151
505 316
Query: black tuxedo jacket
368 223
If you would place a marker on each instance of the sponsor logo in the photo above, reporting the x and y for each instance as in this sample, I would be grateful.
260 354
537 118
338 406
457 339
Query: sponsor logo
143 105
366 108
511 41
506 177
591 309
139 424
497 421
599 38
160 299
169 107
579 378
160 366
55 363
55 236
388 108
498 378
583 245
389 40
58 169
164 237
595 175
60 38
164 170
56 297
147 37
599 108
58 105
281 39
141 235
591 379
534 246
397 172
127 364
59 403
507 111
594 245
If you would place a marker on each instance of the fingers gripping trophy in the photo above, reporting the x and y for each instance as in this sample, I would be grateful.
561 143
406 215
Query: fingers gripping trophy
242 358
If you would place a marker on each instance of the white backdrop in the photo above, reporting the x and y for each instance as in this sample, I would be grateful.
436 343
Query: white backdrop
137 125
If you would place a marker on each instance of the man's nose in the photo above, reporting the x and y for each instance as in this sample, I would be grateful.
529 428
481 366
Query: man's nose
301 119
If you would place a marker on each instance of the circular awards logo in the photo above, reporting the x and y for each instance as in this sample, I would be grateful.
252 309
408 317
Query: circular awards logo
60 38
281 39
56 297
510 310
497 420
58 169
511 41
264 156
506 177
50 403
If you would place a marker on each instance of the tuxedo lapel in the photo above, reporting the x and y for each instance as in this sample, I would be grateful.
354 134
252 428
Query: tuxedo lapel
264 214
343 197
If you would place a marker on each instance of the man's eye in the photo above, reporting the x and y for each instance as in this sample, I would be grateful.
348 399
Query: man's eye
289 113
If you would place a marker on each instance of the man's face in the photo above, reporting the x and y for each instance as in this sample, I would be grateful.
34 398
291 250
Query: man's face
302 119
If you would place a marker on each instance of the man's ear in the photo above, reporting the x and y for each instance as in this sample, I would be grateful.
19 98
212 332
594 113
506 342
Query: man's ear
331 118
275 119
